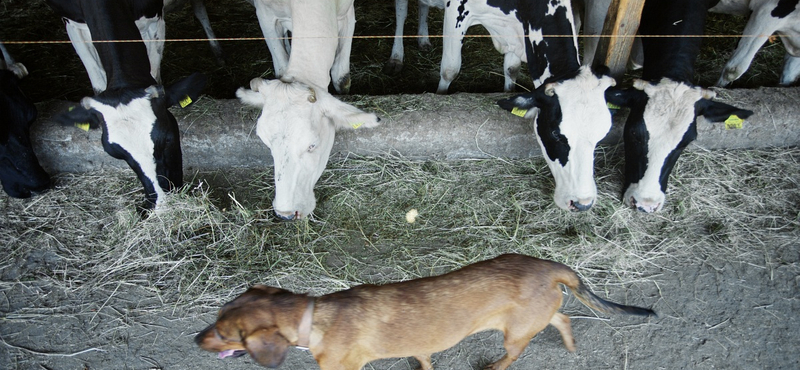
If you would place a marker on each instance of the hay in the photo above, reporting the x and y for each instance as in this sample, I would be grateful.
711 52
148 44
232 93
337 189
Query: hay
85 238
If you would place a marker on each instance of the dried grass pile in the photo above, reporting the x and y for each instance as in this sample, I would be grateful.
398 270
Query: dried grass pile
85 239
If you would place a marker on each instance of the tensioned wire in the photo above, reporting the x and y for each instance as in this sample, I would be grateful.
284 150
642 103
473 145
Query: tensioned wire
23 42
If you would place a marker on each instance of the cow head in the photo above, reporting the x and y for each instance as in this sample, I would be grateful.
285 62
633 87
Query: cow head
138 128
20 172
662 121
570 117
298 124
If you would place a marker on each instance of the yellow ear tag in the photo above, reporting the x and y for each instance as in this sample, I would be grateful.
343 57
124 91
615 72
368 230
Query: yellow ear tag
613 106
83 126
519 112
356 125
733 122
185 101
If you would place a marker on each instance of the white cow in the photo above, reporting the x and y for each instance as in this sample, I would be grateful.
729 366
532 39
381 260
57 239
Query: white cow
766 18
299 117
275 20
395 63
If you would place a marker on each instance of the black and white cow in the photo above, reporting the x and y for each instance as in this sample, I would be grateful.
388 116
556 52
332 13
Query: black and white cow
20 172
766 18
132 109
275 19
664 104
568 106
299 117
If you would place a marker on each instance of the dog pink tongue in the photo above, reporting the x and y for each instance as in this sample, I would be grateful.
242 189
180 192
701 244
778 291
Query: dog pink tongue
227 353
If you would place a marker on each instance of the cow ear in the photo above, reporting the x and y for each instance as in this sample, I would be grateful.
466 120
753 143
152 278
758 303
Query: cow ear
343 115
250 97
187 90
81 117
267 347
523 105
718 112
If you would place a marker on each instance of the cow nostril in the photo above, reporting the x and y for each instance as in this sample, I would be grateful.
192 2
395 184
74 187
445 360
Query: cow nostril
286 217
579 207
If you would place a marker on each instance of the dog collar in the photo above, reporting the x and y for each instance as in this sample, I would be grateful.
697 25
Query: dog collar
304 330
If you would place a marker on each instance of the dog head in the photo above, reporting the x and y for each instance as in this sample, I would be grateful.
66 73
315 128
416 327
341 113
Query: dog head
253 323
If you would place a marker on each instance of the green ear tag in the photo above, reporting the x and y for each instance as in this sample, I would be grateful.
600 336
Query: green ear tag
733 122
185 101
356 125
519 112
613 106
83 126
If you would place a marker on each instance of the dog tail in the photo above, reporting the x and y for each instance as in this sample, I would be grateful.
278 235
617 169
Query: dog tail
591 300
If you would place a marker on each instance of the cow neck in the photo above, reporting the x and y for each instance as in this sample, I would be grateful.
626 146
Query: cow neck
126 63
672 57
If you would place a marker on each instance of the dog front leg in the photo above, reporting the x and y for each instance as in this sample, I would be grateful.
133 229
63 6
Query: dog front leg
424 362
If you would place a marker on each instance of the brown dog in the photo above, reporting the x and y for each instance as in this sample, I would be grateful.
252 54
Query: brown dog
516 294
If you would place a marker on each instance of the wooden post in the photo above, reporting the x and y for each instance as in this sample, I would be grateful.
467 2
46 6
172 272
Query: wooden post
622 22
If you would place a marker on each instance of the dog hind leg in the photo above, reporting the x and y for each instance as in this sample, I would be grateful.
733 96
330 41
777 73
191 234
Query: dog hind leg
562 323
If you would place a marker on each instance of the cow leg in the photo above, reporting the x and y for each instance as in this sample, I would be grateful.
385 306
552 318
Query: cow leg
423 40
153 32
199 8
81 40
270 28
453 31
759 27
791 70
340 71
595 16
395 63
511 64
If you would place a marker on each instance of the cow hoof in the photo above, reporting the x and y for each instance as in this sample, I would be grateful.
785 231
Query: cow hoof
393 67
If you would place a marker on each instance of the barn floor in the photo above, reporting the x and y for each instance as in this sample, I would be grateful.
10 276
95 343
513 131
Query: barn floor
86 284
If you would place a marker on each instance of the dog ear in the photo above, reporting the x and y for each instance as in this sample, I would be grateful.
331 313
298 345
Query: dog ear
267 347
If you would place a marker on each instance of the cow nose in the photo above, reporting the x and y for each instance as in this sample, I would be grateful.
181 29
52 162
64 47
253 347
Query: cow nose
645 206
581 205
287 216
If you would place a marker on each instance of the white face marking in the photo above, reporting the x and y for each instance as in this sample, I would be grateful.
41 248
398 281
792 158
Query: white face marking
129 126
299 128
669 112
585 121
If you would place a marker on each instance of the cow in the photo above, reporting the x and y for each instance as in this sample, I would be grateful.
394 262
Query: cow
664 104
275 20
766 18
568 106
299 117
132 109
20 172
395 63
